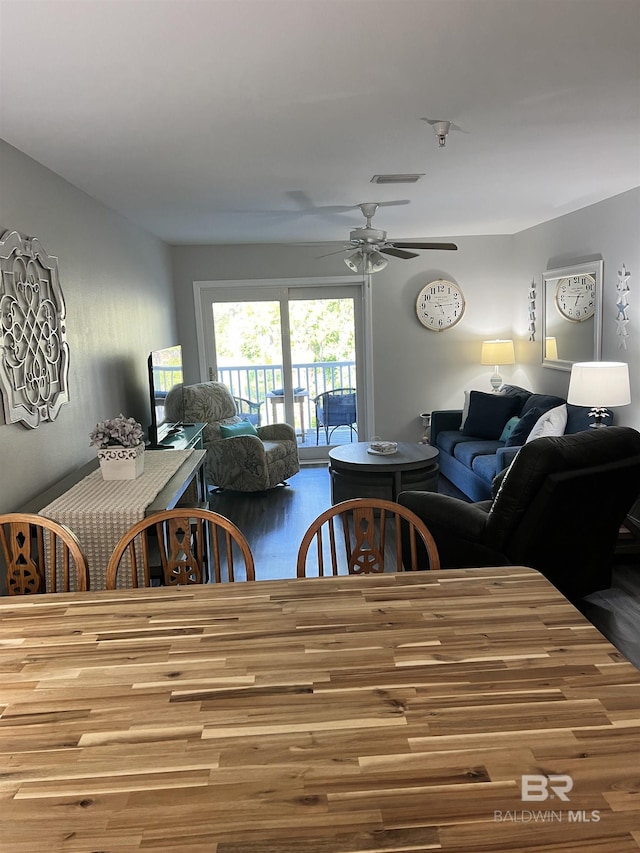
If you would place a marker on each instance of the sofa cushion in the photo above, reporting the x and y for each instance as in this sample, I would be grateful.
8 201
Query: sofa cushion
543 402
488 414
467 451
521 431
485 466
552 422
447 439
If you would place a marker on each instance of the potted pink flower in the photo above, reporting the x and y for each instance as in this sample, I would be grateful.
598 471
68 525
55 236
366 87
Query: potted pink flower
120 444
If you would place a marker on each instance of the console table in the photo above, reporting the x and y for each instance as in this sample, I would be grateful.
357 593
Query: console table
99 512
182 436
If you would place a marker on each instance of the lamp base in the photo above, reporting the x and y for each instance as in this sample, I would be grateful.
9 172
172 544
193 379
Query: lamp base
599 414
496 381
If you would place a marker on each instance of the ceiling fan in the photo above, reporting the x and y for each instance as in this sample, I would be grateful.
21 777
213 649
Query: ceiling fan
371 245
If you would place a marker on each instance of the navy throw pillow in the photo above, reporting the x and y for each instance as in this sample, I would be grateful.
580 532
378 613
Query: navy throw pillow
488 414
542 402
523 428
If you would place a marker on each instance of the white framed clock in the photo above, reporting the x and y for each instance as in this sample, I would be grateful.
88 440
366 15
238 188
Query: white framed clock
575 297
440 305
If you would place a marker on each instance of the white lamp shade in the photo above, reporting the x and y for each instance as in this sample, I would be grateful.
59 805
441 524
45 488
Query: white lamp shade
599 383
497 352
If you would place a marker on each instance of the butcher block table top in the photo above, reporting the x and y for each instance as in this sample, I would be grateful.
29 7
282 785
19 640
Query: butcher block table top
339 715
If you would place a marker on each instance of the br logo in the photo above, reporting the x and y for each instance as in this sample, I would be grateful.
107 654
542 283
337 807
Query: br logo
536 787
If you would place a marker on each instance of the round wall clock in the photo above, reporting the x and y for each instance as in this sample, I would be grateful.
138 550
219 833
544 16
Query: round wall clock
576 297
440 305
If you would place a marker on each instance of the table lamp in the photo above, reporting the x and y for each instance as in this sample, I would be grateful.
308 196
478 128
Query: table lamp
599 384
497 353
551 348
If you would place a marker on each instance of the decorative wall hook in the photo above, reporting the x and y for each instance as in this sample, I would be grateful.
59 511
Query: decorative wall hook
622 305
532 310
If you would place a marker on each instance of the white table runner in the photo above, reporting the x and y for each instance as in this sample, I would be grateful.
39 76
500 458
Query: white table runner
100 511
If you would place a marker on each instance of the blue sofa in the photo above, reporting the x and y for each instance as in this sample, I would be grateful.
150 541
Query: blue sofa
471 461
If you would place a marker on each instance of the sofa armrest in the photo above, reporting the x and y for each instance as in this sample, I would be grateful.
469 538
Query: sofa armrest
505 456
457 527
277 432
444 419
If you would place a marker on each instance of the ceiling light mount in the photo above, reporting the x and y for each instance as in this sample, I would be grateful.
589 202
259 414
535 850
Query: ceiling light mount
442 131
441 128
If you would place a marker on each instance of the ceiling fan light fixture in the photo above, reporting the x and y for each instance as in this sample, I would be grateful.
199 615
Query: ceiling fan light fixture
368 262
376 261
354 261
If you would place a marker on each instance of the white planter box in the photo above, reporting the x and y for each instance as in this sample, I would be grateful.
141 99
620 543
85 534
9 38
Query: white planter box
121 463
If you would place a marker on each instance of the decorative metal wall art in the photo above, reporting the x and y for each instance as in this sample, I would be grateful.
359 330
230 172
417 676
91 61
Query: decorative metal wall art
532 310
622 304
34 354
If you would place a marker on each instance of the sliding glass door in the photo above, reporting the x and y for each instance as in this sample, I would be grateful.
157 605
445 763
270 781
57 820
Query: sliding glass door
289 354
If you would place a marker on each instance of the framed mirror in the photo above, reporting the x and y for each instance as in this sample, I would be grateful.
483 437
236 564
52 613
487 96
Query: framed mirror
572 315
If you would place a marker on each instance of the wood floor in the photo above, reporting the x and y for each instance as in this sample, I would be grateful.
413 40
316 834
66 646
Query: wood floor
274 523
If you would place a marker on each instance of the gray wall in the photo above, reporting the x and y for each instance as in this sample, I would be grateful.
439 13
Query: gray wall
417 370
610 229
119 297
414 369
120 283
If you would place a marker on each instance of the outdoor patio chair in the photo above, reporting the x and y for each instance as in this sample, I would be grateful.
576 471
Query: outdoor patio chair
336 408
249 410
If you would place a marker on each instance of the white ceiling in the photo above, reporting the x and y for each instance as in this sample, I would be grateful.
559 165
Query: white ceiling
232 121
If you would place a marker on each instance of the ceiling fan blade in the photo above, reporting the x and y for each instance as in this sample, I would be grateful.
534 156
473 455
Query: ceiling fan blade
338 252
398 253
394 203
450 247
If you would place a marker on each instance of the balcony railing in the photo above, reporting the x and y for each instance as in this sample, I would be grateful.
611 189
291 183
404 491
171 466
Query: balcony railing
256 381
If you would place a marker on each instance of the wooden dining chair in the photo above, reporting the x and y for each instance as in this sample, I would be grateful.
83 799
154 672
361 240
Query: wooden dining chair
185 545
41 555
362 526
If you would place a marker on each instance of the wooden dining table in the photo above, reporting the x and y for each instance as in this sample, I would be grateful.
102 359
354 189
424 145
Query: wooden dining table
467 710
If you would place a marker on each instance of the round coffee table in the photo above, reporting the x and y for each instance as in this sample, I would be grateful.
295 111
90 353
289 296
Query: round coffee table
356 473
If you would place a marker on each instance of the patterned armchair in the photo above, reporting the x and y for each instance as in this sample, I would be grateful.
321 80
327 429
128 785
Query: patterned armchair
244 463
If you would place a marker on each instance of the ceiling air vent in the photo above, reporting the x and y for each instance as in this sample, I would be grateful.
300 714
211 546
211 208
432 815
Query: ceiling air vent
411 178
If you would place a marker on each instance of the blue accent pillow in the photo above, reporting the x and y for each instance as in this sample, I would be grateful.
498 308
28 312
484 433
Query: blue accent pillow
524 426
509 428
488 413
241 428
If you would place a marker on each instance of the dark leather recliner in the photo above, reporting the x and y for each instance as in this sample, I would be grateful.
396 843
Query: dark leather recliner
558 509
